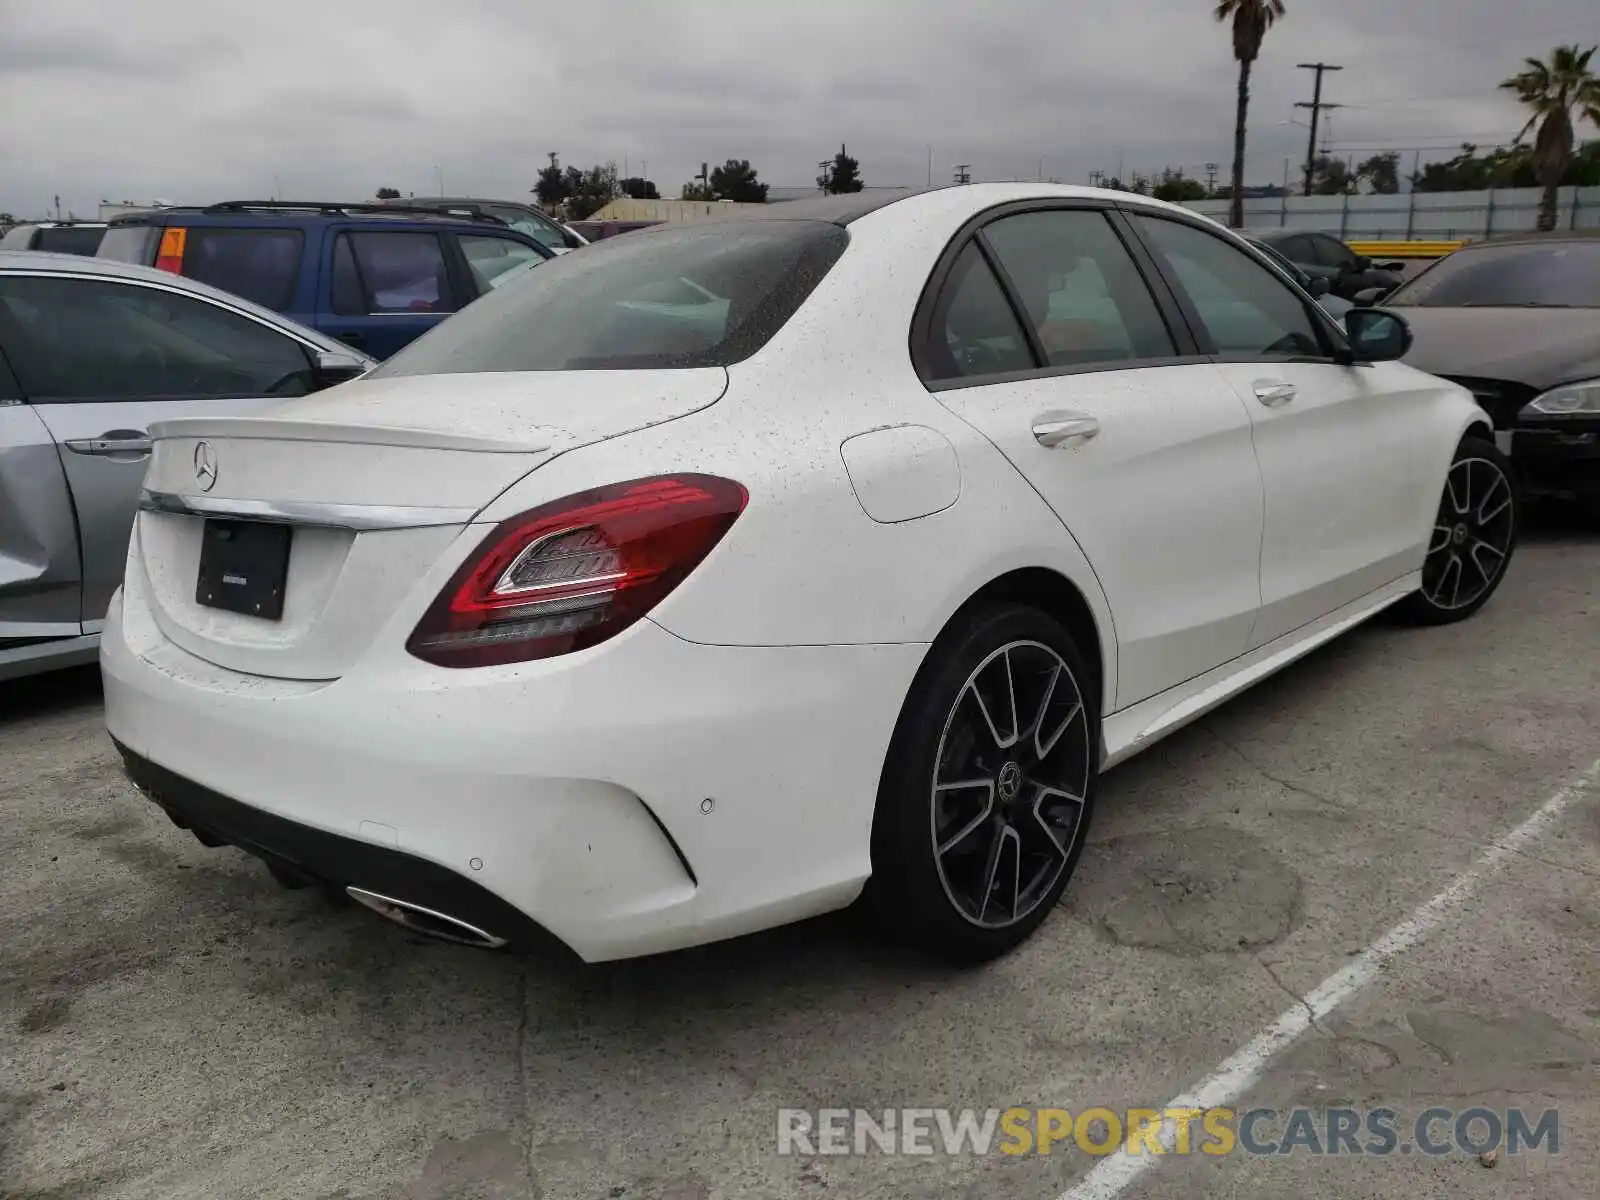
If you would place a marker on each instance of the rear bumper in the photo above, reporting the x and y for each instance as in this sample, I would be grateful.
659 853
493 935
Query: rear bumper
640 796
307 855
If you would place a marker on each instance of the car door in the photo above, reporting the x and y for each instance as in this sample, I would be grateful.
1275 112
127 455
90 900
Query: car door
99 359
386 287
1337 446
1045 335
39 567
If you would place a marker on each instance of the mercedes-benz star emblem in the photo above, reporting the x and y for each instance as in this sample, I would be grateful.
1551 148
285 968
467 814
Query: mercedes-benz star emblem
1010 781
205 465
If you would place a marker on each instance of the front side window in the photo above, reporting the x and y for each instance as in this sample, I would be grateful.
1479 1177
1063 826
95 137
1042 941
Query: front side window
262 265
495 260
382 272
1248 311
1079 287
546 233
79 339
615 306
1332 253
1552 274
1297 249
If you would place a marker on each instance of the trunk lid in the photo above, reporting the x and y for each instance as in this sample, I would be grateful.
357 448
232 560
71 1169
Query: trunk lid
375 479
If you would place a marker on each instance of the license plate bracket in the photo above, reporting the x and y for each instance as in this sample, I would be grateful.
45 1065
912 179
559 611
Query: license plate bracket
244 567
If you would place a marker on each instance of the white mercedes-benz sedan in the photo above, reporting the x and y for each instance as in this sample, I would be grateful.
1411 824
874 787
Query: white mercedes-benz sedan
721 573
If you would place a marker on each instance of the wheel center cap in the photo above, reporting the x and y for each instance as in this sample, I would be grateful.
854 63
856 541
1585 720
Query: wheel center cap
1459 534
1009 782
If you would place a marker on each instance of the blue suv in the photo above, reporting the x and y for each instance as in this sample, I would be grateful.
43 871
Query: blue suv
375 276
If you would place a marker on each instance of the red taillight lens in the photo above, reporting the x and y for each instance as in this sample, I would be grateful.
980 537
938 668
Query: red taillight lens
576 571
169 255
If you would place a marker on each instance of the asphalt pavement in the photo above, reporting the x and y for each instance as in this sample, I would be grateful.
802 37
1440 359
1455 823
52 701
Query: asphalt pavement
1398 838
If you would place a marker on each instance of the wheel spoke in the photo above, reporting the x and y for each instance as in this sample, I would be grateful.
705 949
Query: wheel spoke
1455 592
967 830
1499 486
1004 836
1441 538
1011 694
1450 494
1060 840
1001 743
1488 573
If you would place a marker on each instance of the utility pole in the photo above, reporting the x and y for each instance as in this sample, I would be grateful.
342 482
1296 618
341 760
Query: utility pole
1211 177
1096 178
822 181
1316 106
963 175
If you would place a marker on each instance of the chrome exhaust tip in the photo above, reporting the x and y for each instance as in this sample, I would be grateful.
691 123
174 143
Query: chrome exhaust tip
425 920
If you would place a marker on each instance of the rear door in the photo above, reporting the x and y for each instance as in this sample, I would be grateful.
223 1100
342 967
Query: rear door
386 287
1337 448
39 576
100 359
1047 337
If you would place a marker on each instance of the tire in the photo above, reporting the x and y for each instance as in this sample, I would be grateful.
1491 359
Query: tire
1022 817
1467 553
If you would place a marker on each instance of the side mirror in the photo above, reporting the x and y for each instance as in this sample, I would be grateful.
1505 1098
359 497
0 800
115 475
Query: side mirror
1367 297
1319 285
334 367
1377 334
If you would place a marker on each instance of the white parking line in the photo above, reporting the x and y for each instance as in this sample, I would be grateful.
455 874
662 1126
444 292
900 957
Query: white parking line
1237 1073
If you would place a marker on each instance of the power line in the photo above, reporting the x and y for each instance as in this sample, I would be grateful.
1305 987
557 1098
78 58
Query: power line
1316 105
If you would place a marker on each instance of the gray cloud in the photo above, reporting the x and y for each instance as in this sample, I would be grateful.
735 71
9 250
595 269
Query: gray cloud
173 100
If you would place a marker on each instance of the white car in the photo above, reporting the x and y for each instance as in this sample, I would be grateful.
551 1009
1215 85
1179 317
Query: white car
585 618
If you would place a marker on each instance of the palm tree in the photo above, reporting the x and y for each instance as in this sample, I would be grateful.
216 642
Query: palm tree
1251 20
1552 91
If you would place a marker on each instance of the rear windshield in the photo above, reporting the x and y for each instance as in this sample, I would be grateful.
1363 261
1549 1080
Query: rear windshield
70 239
258 264
700 295
1554 274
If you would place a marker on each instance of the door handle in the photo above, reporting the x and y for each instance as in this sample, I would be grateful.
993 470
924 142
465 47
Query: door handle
1058 428
116 442
1272 392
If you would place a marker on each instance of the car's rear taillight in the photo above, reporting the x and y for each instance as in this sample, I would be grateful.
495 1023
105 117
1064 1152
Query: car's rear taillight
576 571
169 255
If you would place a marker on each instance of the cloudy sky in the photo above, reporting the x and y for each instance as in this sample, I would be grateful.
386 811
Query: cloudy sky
183 101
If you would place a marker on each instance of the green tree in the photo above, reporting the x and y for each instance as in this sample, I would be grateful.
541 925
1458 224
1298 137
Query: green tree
1554 92
551 185
1251 19
736 180
842 175
1331 176
1382 173
1178 187
587 192
635 188
388 193
695 190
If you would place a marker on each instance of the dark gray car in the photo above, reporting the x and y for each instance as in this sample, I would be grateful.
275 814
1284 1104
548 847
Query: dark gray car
91 352
1323 256
1517 320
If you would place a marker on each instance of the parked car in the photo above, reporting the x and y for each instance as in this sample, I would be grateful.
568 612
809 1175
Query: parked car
56 237
609 622
1318 285
91 352
374 276
1324 256
596 231
522 217
1517 321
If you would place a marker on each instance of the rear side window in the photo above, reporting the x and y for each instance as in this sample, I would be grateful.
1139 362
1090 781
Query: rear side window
378 273
495 261
258 264
621 304
130 244
975 331
72 339
70 239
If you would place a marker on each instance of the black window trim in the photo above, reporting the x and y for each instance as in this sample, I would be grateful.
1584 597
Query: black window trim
1189 350
310 349
1336 347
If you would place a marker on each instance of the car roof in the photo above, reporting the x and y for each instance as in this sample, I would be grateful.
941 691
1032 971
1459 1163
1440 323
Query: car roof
1532 237
305 211
35 261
